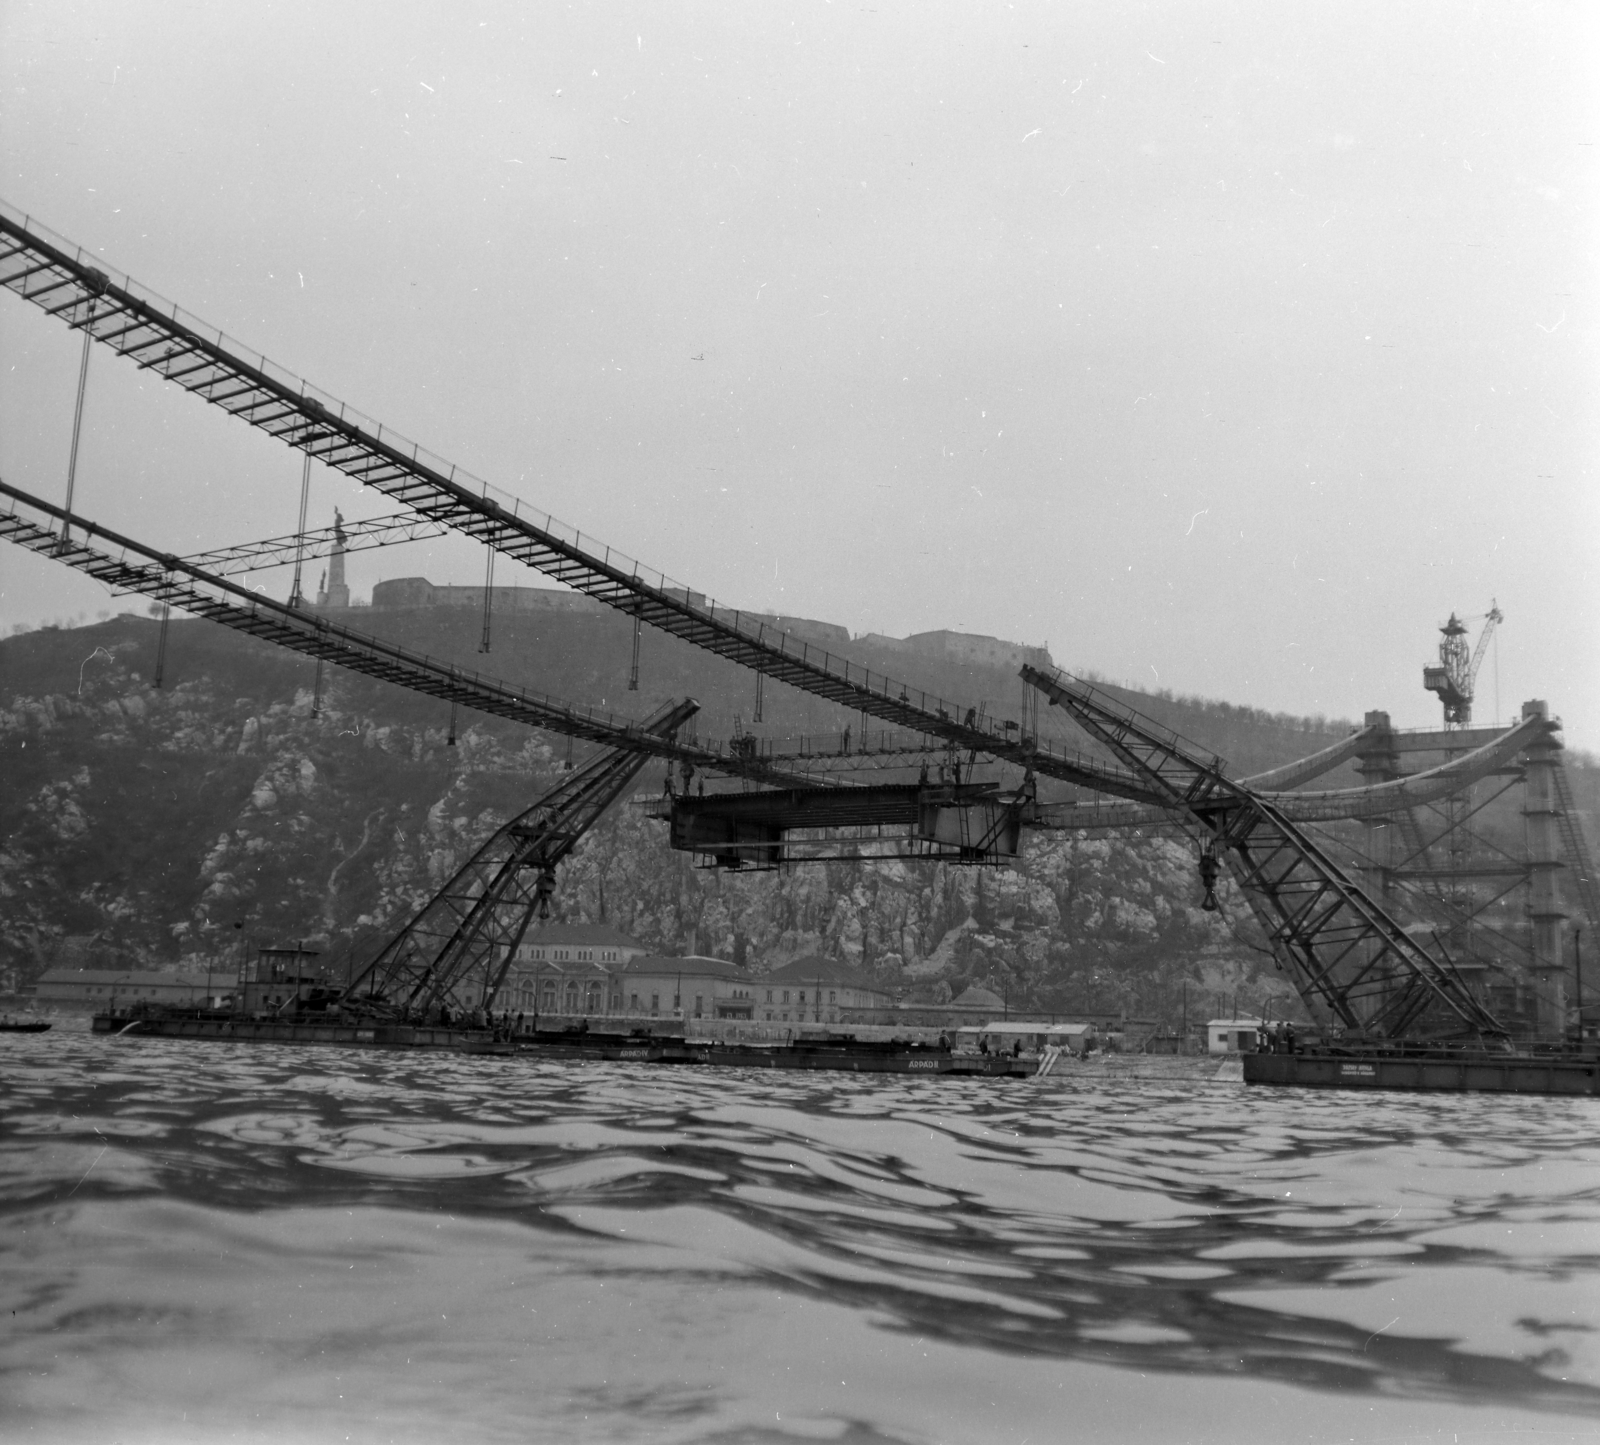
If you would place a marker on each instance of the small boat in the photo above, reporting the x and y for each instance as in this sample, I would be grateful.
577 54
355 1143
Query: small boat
23 1026
487 1046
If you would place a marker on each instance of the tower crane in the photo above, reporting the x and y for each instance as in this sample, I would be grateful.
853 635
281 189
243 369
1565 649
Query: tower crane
1457 671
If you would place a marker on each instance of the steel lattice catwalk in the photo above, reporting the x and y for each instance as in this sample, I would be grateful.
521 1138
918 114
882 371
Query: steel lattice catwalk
1352 963
62 280
467 934
139 569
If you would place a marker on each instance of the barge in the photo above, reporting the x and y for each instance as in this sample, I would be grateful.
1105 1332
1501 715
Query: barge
832 1052
1551 1070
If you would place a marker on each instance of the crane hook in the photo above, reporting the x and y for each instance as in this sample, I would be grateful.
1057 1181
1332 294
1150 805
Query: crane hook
1209 866
543 889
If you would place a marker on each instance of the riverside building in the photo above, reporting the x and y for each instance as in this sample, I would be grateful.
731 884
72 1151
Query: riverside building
567 968
815 990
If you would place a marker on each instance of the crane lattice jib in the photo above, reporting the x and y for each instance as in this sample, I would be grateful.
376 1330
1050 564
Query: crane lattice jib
124 565
157 335
1494 618
1353 964
458 947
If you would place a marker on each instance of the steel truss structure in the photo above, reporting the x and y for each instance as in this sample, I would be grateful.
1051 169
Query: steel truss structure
319 542
1486 881
457 948
1406 839
1584 883
973 823
1353 964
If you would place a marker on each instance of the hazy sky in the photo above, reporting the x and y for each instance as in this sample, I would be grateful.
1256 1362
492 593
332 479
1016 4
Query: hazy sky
1225 348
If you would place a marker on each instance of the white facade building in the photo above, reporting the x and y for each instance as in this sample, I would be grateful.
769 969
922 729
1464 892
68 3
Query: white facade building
567 968
1232 1036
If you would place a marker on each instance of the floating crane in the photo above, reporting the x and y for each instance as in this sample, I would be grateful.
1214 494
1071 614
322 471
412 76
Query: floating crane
1453 679
1354 965
457 948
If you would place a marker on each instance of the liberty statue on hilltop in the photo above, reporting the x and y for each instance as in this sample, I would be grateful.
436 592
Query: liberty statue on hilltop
335 591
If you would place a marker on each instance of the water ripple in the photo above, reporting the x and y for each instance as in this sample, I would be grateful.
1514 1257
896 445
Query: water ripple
350 1211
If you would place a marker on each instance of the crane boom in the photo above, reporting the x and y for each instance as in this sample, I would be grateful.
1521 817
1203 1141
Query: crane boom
457 948
1490 622
1353 964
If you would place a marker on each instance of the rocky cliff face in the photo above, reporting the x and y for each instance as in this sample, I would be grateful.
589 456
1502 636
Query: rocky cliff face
142 827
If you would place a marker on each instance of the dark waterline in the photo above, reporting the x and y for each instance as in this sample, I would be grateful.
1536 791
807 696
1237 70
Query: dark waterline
215 1241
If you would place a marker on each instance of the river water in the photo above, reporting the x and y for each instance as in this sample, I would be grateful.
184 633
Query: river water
220 1242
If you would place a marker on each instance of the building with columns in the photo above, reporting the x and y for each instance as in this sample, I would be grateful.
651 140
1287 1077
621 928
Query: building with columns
566 968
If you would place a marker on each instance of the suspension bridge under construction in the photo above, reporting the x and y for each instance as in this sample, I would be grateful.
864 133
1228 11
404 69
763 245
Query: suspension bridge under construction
1382 902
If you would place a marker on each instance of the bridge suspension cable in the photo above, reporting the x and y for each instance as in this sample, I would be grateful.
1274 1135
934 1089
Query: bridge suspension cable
125 565
58 277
